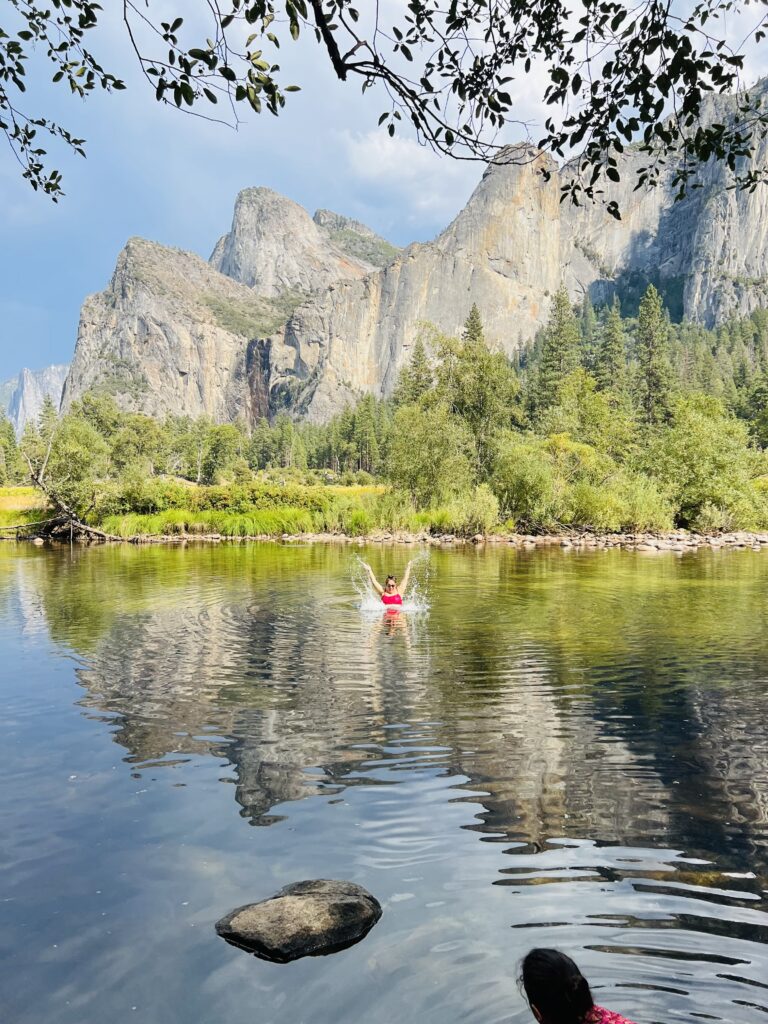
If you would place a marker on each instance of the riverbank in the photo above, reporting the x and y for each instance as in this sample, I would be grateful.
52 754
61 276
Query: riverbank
676 541
340 515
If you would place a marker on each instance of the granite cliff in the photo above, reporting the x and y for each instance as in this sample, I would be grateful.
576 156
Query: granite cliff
305 314
22 397
171 335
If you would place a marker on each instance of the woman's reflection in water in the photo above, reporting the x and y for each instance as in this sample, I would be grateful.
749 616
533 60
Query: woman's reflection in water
391 624
394 623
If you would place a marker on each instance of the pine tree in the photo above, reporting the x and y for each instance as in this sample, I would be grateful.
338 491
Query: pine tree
416 378
588 326
261 451
46 421
611 360
364 434
653 358
559 352
9 452
473 327
479 386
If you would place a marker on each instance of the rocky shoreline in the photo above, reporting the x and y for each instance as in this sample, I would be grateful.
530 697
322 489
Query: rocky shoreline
676 541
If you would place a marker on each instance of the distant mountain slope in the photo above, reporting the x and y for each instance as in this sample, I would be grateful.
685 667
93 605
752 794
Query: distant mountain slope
6 390
22 397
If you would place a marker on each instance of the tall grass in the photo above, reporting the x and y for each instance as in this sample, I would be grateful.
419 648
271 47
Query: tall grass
355 511
21 505
256 523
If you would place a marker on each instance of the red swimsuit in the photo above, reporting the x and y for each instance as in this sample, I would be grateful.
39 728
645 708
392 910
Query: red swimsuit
598 1015
391 598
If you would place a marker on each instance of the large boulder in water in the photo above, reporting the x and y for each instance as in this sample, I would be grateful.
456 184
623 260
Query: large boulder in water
304 919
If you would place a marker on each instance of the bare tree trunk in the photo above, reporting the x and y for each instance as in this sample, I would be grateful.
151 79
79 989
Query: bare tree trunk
66 518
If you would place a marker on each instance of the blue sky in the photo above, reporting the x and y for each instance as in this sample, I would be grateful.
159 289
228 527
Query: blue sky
155 172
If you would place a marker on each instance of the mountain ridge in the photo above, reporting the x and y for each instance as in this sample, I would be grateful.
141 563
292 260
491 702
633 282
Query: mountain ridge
324 310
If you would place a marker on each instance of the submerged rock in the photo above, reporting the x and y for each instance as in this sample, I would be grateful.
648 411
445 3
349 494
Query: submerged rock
304 919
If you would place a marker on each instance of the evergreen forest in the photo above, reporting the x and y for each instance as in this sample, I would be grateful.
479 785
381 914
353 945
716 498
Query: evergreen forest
604 423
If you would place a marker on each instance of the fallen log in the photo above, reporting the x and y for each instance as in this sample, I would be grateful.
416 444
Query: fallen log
33 525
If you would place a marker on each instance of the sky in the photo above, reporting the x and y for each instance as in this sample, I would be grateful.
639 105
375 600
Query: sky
161 174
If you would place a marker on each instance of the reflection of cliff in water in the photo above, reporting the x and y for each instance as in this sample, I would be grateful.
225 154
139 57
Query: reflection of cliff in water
241 683
618 752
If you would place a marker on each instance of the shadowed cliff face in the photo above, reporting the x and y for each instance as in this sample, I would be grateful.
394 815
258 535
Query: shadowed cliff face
306 315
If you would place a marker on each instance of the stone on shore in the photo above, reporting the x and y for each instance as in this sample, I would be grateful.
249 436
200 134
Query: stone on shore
309 918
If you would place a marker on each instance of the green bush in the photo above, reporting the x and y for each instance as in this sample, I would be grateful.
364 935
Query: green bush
547 483
260 522
705 463
595 507
645 507
357 522
469 514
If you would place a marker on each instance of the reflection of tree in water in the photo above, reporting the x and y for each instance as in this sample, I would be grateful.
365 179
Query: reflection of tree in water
605 696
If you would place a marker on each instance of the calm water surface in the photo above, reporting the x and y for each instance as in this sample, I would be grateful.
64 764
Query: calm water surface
565 749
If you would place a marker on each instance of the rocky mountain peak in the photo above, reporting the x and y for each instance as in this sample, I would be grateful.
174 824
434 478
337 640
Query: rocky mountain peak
512 217
356 239
305 314
276 248
171 334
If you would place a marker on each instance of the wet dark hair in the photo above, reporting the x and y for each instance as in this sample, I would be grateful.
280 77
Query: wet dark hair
555 986
390 577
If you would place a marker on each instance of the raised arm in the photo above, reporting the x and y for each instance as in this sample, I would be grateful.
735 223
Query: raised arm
406 576
376 585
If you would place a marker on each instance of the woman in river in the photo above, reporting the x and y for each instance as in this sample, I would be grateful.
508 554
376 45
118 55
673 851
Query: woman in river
558 993
391 594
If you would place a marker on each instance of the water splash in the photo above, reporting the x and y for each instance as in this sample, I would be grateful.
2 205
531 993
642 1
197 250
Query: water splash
414 599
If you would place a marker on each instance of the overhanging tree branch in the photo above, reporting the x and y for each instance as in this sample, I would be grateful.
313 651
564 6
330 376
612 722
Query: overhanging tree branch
614 73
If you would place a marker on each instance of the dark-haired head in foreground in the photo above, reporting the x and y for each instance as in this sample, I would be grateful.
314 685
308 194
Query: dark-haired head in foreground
558 993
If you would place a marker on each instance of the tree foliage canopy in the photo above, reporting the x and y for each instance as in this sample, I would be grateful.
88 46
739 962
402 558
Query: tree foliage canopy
612 72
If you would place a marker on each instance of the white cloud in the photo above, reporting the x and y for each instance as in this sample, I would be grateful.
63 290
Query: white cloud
427 189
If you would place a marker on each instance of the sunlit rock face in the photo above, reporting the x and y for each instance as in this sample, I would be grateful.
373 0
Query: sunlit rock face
174 334
502 252
275 247
171 335
306 315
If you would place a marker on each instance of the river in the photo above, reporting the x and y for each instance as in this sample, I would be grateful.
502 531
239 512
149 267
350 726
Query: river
563 748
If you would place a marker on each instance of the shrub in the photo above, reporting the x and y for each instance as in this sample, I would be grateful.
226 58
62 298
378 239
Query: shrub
432 453
645 507
476 512
705 464
357 522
